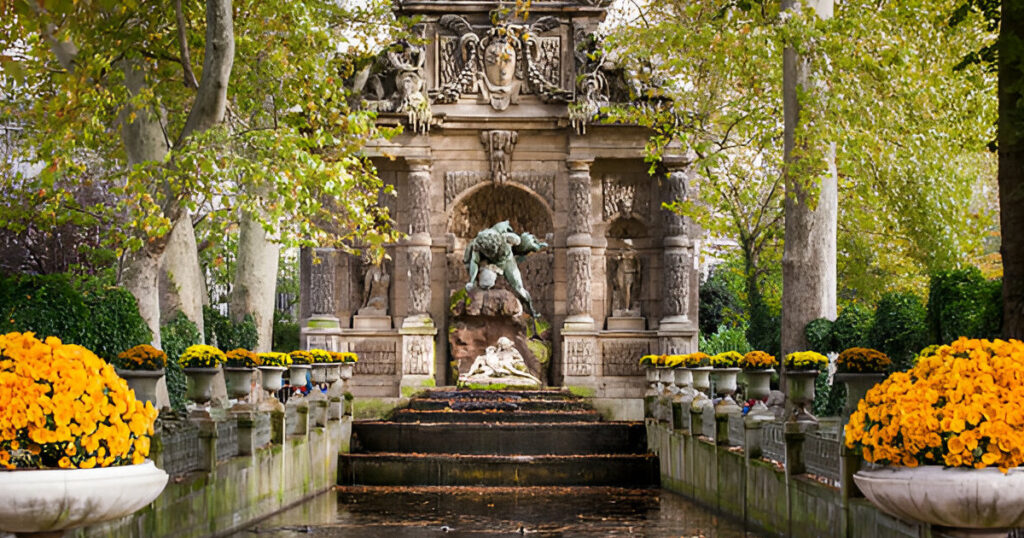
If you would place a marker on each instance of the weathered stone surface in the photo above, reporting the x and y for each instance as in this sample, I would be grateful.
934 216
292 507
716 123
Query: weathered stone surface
480 318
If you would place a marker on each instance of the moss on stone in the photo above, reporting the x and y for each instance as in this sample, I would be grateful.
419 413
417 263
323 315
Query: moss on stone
367 408
583 392
541 350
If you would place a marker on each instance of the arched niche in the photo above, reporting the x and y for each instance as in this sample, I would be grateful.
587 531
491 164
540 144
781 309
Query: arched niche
488 204
623 233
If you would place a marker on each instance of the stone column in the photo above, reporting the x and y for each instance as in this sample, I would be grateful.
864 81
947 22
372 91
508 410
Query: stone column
323 329
678 328
580 356
418 329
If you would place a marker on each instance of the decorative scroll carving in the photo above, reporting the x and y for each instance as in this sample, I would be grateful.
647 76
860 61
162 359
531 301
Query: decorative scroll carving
321 283
675 299
499 146
579 281
676 346
500 62
419 198
375 357
419 280
395 83
456 182
579 199
622 357
624 199
675 189
579 353
419 354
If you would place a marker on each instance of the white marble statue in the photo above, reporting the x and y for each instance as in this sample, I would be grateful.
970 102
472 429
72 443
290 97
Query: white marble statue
500 365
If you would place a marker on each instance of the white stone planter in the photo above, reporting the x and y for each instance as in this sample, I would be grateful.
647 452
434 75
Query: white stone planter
200 384
800 391
333 372
683 377
238 381
725 380
143 382
701 378
857 386
961 498
297 374
346 370
318 374
272 377
52 500
758 383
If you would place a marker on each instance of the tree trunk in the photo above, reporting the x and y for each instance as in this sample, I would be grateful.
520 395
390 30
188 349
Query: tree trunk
255 280
182 286
809 253
1011 165
141 279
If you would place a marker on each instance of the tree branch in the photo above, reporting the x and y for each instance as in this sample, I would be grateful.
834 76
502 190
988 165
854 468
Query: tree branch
211 95
186 62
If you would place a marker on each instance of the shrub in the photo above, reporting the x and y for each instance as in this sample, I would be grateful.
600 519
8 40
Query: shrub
922 417
725 339
82 311
852 328
62 406
828 399
900 330
765 330
963 303
286 334
718 301
226 334
175 337
819 335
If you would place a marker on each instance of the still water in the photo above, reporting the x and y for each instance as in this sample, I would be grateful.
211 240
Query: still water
386 512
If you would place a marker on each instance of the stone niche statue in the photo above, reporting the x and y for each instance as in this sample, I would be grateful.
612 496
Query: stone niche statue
497 250
376 284
500 365
626 283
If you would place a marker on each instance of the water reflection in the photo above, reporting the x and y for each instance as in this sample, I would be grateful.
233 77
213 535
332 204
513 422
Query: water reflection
386 512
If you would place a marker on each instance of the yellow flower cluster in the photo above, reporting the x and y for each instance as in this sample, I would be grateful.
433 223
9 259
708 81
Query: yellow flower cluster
346 356
959 407
696 360
241 358
726 359
653 360
301 357
200 356
62 406
806 360
758 360
862 360
143 357
320 356
274 358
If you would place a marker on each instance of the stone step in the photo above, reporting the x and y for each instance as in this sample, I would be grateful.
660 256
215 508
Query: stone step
431 404
389 469
466 394
494 415
579 438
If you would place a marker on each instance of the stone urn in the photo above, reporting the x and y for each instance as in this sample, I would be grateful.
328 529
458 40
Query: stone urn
50 501
333 372
725 381
758 383
800 391
200 383
318 374
298 374
683 378
857 386
345 370
143 382
238 381
651 394
272 377
959 497
701 378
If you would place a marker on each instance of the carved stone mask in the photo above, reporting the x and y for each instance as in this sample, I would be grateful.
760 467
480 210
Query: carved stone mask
500 63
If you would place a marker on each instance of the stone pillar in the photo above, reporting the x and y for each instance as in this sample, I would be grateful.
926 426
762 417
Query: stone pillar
323 328
580 359
677 330
418 329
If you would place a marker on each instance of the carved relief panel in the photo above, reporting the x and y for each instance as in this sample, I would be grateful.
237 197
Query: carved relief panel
376 357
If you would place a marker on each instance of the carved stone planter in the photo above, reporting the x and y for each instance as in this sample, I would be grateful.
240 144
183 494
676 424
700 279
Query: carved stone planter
52 500
960 498
333 372
298 374
318 373
200 384
238 381
758 383
800 391
701 378
143 382
683 377
725 381
346 370
272 377
857 386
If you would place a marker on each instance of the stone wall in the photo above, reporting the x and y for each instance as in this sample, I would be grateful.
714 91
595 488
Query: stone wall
239 491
